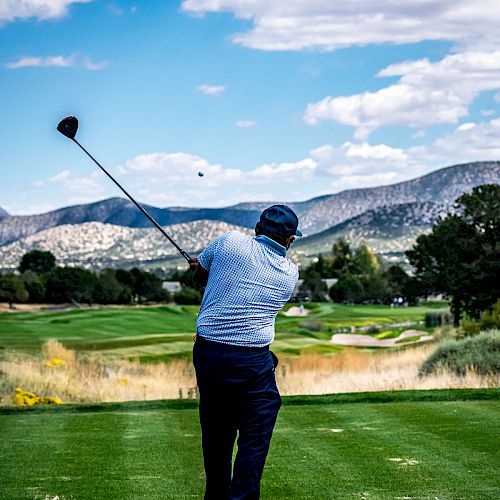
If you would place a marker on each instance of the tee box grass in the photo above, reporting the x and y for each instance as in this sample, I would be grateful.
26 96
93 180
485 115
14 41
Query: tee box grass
409 444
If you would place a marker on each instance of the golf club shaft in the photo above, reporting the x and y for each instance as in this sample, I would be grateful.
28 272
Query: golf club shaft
181 251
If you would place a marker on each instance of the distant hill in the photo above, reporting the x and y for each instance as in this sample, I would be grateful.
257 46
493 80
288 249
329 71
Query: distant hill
3 213
316 215
443 186
119 212
95 245
387 230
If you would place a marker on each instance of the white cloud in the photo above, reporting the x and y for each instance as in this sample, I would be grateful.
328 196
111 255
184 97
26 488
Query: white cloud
331 24
60 176
466 126
73 60
42 62
487 112
427 93
11 10
481 142
211 89
246 123
81 188
87 63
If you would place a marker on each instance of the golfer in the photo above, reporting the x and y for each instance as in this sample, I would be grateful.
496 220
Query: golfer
248 280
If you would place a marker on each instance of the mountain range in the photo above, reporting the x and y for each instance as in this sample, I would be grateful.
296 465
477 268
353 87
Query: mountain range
114 233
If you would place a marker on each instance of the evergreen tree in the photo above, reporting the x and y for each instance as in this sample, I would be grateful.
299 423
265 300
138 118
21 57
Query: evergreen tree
461 256
37 261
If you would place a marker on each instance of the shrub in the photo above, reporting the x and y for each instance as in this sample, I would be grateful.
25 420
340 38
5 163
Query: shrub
480 353
469 327
491 318
187 296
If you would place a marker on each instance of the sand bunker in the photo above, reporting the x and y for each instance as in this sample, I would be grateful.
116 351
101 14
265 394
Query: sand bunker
296 311
355 340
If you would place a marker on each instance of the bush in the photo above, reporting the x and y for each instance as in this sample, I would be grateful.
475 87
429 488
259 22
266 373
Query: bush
481 353
469 327
491 318
434 319
187 296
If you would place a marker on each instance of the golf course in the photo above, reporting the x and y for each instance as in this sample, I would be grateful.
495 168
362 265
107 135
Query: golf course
166 332
396 444
420 444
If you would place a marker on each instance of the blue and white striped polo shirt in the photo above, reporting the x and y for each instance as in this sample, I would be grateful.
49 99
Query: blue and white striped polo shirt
249 281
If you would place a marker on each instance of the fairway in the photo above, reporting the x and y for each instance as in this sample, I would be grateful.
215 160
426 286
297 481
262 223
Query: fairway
160 333
444 445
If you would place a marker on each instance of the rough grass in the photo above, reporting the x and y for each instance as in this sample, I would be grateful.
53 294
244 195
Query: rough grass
93 378
322 448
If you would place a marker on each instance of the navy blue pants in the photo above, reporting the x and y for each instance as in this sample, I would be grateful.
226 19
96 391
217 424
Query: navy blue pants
238 394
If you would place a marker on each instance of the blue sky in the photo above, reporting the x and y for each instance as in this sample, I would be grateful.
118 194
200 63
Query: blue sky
272 100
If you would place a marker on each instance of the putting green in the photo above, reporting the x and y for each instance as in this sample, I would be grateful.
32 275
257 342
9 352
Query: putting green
427 444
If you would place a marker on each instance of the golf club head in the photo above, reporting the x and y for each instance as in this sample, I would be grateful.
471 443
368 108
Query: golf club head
68 126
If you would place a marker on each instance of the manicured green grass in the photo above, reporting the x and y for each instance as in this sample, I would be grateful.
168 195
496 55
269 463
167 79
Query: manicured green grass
428 444
156 333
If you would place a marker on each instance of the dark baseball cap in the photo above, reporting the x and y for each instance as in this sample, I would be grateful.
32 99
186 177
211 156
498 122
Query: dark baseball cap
280 219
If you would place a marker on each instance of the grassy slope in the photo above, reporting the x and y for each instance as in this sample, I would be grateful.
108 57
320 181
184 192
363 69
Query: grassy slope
151 333
448 449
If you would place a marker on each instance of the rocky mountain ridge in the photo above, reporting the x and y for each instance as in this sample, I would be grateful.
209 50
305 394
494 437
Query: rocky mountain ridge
96 245
316 215
387 230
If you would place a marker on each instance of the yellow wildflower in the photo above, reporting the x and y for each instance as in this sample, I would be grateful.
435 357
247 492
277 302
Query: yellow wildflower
54 362
25 398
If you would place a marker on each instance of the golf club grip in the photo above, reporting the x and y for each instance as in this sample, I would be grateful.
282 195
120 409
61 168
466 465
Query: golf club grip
181 251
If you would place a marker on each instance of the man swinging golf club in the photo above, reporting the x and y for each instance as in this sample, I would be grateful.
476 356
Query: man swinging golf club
248 280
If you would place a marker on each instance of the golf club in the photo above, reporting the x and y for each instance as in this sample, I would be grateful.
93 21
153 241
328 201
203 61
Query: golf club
68 127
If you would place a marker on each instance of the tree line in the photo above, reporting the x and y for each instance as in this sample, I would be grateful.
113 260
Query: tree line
41 280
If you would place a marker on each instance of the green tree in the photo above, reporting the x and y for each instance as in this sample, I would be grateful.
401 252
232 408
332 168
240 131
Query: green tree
65 284
348 289
375 288
144 285
313 284
187 296
35 286
341 259
364 261
12 289
461 256
37 261
109 290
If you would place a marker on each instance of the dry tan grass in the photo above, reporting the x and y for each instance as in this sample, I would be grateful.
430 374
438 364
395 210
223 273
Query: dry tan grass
95 379
357 371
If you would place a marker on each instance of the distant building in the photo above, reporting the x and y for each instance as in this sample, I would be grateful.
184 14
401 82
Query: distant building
172 286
